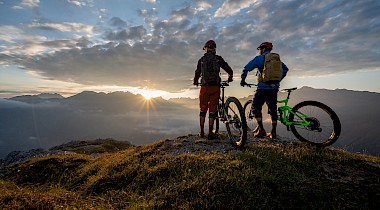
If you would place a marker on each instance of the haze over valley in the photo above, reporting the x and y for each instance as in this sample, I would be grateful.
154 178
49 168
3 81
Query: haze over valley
46 120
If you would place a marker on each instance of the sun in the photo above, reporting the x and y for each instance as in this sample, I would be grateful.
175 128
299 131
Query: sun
147 97
149 94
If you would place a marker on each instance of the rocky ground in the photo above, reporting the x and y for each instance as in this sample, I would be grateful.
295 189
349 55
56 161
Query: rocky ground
187 144
193 144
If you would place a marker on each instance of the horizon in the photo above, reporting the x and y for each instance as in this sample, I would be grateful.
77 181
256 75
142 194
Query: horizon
152 47
42 123
151 94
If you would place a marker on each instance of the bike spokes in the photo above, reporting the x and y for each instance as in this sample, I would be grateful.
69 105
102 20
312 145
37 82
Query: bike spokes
251 122
321 126
236 124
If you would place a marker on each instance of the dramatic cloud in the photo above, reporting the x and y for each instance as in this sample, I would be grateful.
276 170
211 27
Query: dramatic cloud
313 37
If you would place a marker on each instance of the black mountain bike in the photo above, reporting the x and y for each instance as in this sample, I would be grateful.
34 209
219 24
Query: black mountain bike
310 121
231 113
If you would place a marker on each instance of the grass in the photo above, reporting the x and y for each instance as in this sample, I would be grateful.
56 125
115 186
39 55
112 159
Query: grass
264 176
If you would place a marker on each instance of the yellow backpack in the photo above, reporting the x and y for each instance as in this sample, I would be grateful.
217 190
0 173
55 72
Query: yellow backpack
272 72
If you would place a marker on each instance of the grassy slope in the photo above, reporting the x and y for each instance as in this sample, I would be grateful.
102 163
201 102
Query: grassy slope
263 177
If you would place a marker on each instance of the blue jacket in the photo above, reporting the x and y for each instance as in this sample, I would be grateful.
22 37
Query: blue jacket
258 62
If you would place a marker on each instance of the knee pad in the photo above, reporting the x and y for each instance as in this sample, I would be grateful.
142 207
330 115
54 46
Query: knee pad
212 115
202 114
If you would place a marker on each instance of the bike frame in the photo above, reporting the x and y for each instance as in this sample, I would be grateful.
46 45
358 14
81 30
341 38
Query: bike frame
222 103
285 110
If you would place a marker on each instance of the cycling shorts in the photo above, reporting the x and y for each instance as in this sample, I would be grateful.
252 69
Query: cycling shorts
265 96
209 98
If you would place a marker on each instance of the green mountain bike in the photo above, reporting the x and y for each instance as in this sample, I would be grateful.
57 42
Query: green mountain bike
310 121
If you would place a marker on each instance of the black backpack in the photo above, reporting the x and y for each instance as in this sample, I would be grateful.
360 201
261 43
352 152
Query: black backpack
210 69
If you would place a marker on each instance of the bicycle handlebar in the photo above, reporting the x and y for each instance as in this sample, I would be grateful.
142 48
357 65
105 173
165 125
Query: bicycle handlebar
250 85
222 83
287 90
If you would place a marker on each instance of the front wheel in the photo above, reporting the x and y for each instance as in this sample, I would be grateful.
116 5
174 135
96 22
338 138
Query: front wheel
324 125
251 121
236 123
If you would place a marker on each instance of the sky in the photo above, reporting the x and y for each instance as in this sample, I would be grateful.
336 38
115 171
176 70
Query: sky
152 47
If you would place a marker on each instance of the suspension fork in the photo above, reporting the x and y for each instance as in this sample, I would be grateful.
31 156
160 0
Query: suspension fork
221 108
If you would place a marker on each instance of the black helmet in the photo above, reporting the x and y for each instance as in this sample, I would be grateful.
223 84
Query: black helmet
210 44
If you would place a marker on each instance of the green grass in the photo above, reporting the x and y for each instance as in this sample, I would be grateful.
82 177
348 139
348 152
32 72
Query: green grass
94 146
264 176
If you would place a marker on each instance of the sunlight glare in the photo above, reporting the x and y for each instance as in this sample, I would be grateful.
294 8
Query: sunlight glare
149 94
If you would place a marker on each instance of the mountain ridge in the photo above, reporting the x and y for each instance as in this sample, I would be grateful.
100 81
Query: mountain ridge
123 115
187 172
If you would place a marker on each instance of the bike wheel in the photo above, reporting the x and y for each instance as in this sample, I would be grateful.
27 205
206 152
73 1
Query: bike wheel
324 127
236 124
217 125
251 122
217 121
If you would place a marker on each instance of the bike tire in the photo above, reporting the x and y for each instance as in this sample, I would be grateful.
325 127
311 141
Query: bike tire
325 124
236 123
251 122
217 125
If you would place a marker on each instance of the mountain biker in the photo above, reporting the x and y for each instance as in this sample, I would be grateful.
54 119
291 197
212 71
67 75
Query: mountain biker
266 91
210 85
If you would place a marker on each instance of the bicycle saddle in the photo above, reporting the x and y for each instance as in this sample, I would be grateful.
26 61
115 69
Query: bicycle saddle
290 89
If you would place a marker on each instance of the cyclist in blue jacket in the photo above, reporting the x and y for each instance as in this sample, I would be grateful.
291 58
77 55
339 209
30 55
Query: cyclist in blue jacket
266 92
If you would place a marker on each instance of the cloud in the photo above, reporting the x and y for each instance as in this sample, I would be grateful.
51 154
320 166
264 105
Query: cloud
313 38
150 1
150 16
64 27
134 32
162 67
13 34
27 4
117 22
25 45
77 3
203 5
232 7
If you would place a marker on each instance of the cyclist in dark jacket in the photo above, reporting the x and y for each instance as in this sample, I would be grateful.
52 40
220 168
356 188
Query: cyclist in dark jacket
210 89
265 93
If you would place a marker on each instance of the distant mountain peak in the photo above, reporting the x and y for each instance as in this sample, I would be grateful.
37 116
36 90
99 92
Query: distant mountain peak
50 96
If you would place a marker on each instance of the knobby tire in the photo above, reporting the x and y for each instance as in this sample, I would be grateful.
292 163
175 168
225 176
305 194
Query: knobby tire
236 123
251 122
322 117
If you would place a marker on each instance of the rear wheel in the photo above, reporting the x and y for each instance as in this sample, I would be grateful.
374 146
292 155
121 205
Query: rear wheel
324 128
235 122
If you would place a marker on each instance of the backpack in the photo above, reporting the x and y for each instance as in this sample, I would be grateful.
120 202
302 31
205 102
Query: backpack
210 70
272 72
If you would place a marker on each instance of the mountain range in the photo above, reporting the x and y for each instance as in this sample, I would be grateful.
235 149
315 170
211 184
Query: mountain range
47 120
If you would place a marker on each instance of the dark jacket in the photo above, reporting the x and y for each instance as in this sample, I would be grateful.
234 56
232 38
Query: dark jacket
223 64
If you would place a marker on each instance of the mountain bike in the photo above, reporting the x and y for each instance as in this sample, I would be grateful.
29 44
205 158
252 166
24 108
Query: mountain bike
231 113
310 121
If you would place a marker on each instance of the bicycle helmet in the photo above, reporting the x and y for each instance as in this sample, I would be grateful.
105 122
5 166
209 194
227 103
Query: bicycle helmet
267 45
209 44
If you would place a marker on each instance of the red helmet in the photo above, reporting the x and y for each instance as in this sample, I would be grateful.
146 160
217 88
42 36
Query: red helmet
267 45
210 44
